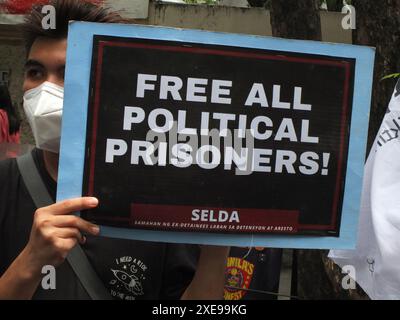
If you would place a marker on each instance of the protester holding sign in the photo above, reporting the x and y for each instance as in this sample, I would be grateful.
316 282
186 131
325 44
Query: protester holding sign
203 137
32 238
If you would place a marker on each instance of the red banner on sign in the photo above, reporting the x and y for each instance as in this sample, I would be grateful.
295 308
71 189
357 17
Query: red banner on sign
189 218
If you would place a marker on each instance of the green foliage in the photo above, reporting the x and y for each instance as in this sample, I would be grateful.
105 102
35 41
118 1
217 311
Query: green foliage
334 5
391 76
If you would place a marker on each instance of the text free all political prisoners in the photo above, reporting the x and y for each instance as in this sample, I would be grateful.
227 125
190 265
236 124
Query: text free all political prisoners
161 121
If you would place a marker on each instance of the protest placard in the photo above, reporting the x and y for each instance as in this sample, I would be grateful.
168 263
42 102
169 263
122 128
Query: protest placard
229 137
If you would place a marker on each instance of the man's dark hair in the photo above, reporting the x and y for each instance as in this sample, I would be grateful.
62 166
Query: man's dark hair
7 105
66 10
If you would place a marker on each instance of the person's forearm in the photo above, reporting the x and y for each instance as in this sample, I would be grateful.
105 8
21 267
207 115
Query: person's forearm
209 279
20 280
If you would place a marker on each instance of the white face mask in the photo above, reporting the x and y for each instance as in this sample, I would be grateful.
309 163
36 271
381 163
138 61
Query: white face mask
43 108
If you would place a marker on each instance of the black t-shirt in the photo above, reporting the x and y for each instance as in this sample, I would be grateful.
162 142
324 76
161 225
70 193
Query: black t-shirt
130 270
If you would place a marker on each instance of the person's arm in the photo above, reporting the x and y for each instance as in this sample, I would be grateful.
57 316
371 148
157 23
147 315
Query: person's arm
55 231
20 280
209 279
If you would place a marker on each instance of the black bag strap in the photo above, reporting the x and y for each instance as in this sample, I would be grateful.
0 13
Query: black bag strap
76 257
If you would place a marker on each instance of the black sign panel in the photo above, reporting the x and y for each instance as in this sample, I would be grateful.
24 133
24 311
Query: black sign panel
192 137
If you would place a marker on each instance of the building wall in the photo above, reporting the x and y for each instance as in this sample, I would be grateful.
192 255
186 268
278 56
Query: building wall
331 27
213 18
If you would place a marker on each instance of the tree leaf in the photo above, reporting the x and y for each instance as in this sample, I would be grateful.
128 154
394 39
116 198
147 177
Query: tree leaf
391 76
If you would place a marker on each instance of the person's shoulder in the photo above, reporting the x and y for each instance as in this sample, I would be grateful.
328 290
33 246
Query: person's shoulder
9 180
8 173
7 167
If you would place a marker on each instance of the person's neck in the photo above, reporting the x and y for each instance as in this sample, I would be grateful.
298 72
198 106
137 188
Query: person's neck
51 163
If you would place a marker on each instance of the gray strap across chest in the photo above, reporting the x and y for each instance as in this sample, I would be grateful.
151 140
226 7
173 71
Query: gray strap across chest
76 257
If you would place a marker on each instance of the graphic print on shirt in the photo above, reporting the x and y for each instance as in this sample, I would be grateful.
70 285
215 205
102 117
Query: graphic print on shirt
127 275
238 274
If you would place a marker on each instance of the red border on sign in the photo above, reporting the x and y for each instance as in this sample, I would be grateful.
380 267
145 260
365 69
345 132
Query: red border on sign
176 218
219 52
